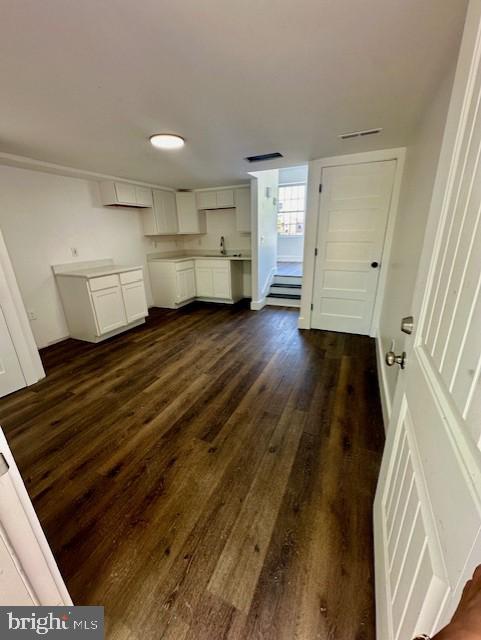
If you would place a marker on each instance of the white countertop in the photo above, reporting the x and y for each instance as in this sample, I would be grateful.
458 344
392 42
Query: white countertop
184 258
104 270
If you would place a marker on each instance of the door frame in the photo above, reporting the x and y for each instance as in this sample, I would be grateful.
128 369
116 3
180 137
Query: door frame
17 321
312 225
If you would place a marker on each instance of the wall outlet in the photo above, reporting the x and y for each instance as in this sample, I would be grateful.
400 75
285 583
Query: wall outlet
74 251
31 315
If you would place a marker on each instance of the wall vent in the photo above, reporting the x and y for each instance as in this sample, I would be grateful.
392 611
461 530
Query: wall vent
360 134
263 157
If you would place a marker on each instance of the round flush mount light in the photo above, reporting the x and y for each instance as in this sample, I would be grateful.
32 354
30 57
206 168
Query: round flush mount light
166 141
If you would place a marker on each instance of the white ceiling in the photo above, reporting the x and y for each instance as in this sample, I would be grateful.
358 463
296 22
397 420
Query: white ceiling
84 83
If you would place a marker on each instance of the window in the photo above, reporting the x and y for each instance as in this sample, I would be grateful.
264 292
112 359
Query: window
291 209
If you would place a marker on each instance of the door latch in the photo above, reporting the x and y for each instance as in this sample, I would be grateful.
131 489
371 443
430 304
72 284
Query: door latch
407 325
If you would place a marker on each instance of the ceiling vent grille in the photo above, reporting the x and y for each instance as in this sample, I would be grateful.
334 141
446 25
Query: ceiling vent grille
360 134
265 156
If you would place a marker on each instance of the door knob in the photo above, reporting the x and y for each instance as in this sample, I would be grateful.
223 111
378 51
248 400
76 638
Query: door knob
392 359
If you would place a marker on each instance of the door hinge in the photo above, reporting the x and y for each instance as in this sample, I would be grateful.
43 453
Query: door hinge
312 306
320 188
315 252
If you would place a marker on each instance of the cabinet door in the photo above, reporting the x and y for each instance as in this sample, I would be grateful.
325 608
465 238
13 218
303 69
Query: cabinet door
143 195
207 200
109 309
165 212
187 214
185 285
243 209
221 283
225 199
125 193
134 300
204 282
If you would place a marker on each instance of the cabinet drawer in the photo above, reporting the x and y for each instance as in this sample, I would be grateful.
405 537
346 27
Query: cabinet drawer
131 276
182 266
103 282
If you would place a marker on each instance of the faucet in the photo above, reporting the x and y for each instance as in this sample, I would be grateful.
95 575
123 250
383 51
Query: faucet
222 246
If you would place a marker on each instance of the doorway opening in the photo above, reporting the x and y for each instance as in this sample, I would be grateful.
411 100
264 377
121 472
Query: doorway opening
291 214
279 211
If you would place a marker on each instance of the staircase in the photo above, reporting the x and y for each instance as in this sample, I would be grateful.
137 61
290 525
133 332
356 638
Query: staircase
285 291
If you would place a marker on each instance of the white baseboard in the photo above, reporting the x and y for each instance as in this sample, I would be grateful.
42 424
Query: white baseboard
383 384
302 323
257 305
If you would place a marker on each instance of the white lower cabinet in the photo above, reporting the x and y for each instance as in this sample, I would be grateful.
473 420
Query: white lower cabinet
185 284
98 307
204 282
109 309
213 279
176 282
135 303
221 283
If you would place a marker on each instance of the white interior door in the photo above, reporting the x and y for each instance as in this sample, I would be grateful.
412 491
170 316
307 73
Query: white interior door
11 375
428 503
353 212
28 572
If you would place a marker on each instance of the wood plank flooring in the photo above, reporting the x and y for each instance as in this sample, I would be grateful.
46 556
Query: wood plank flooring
209 475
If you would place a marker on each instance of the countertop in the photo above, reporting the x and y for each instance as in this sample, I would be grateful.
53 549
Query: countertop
177 257
104 270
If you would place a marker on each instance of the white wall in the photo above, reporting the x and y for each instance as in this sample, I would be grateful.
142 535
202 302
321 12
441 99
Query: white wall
42 216
416 189
221 222
290 248
264 239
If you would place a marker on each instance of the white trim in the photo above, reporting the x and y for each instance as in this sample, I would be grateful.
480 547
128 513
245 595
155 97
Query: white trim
230 186
17 320
295 259
22 162
29 560
386 404
257 305
312 220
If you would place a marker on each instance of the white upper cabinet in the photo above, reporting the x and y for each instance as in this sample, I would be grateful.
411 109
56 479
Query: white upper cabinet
125 194
207 200
143 195
225 199
162 219
190 220
243 209
221 199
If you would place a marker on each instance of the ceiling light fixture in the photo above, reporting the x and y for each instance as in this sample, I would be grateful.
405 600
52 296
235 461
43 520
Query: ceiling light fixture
166 141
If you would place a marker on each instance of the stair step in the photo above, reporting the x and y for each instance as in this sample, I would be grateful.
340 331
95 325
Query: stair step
282 289
286 285
287 280
282 302
287 296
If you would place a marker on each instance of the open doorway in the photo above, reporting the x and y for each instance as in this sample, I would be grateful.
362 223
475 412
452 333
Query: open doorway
278 214
291 212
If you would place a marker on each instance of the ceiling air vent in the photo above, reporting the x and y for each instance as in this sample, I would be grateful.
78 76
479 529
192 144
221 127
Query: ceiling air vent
265 156
359 134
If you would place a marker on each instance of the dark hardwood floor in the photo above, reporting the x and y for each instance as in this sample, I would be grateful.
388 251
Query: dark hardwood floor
209 475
